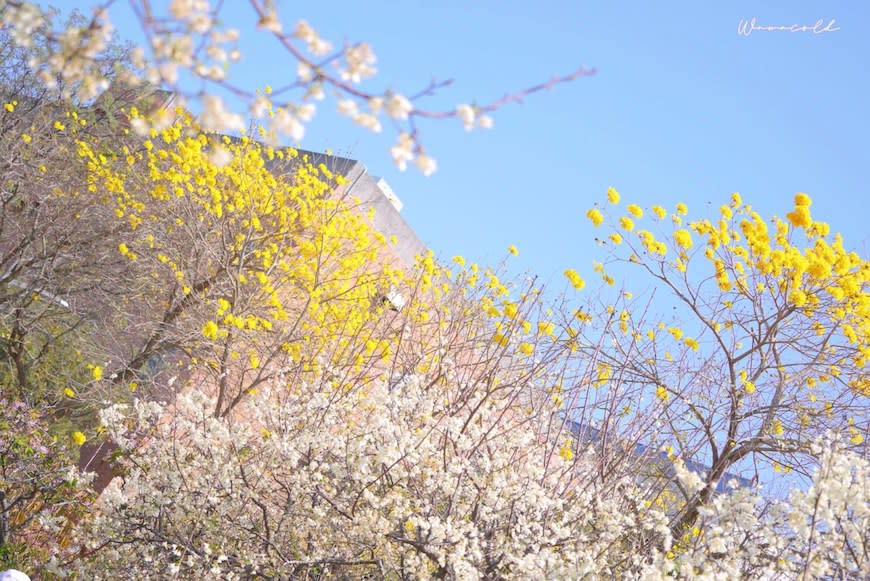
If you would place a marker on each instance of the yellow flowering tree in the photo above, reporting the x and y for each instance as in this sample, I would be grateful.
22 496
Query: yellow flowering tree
765 349
243 259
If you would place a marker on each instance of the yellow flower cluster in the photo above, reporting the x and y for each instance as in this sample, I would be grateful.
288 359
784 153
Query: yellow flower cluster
574 278
791 264
800 217
259 220
683 238
595 216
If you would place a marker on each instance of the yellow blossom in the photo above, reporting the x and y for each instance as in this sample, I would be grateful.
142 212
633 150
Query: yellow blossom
210 330
223 306
513 250
662 393
612 196
798 297
97 373
682 209
800 217
79 438
683 238
635 210
626 223
576 281
595 216
566 450
546 327
582 316
778 430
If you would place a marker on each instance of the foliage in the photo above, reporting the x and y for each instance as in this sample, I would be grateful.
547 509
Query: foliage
484 429
49 240
457 462
47 243
41 493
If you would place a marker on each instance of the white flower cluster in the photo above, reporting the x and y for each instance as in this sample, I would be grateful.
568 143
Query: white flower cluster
316 45
70 66
471 116
406 150
823 532
360 61
400 480
396 480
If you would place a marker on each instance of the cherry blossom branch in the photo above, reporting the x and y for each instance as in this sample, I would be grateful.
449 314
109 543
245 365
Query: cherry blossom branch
189 38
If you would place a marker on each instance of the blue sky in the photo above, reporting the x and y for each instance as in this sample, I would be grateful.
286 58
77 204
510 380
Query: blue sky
682 109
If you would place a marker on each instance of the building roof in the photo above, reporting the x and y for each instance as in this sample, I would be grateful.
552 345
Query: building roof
587 433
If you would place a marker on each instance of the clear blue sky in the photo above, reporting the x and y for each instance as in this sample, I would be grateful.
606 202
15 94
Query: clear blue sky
682 109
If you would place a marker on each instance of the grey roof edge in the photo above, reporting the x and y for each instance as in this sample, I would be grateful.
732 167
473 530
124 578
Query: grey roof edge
587 433
387 219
